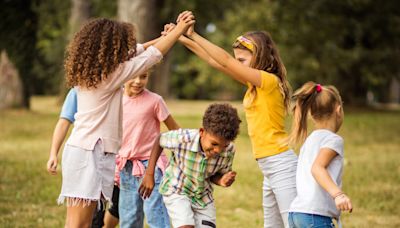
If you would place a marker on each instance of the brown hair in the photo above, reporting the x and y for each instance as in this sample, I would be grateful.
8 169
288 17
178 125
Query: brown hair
97 50
318 101
266 57
222 120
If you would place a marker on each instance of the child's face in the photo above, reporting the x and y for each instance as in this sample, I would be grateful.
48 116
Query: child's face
212 144
242 55
135 86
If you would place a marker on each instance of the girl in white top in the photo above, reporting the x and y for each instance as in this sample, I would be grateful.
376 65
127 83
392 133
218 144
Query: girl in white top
101 57
319 170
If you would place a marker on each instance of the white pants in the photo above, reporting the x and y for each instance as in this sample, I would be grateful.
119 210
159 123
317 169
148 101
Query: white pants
183 212
279 187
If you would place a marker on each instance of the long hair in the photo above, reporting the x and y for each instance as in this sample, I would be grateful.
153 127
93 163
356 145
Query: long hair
312 99
266 57
97 50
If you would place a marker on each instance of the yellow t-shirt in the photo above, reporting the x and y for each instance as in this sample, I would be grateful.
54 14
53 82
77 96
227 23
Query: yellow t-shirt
265 117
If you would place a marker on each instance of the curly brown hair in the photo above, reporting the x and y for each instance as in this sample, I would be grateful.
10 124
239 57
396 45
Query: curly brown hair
222 120
97 50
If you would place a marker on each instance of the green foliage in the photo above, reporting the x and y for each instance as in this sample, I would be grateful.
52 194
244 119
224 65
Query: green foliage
51 40
353 44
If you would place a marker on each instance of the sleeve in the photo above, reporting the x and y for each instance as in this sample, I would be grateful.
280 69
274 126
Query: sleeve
135 66
170 139
268 81
161 110
335 143
70 106
228 161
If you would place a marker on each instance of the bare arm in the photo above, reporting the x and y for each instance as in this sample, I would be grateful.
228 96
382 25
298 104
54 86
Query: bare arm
166 42
147 185
59 134
171 124
321 175
202 54
151 42
237 70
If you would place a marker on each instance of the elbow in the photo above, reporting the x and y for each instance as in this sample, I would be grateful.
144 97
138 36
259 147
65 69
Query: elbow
315 170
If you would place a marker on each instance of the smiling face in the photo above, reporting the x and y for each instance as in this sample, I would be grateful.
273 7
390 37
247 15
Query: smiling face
136 86
243 55
212 144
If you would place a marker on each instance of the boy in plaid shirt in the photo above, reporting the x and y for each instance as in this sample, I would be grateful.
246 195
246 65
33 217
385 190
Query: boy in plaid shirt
199 157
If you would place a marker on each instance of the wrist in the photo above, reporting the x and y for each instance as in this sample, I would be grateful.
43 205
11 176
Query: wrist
338 194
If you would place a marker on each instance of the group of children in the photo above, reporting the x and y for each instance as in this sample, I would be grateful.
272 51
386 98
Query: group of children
116 145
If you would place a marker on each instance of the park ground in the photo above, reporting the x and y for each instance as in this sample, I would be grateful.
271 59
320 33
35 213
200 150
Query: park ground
371 175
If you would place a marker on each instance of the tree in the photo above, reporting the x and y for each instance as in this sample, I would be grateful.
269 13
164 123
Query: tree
18 27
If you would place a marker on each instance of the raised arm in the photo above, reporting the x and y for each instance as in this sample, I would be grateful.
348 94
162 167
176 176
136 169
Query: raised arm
202 54
166 42
237 70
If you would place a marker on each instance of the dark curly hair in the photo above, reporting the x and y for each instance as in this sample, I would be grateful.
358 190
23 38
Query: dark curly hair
97 50
222 120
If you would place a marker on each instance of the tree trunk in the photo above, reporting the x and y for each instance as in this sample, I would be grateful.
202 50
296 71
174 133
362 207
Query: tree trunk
11 90
394 91
144 14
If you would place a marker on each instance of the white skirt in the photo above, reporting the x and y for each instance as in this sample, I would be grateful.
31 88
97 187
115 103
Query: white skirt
86 175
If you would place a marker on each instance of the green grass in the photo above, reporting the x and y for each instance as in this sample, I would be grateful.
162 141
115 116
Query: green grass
372 168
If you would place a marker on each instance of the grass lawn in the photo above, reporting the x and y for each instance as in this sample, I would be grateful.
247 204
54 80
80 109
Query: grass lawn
371 177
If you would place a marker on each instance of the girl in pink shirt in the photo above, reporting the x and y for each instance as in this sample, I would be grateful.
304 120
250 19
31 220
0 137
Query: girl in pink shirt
143 111
100 58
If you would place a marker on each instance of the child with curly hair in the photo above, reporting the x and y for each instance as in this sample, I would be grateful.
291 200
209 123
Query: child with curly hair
199 157
101 57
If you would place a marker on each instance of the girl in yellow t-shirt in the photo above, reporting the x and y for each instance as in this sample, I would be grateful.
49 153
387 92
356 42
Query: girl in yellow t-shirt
257 64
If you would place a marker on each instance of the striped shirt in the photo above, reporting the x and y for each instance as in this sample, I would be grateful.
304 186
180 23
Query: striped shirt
189 171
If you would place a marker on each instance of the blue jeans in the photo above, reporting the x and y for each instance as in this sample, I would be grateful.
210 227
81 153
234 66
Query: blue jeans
132 208
303 220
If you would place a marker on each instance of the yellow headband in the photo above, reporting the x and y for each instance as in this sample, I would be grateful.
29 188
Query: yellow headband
246 42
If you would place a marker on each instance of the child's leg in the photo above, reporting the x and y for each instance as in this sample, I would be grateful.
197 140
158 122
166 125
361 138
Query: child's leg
179 210
205 217
98 216
80 215
111 217
279 187
154 208
130 203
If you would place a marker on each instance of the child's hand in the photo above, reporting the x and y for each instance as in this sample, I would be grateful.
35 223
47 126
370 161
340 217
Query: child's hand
227 179
168 28
147 185
52 165
185 20
343 203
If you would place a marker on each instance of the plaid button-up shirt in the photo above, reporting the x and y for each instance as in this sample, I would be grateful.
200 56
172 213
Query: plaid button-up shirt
189 171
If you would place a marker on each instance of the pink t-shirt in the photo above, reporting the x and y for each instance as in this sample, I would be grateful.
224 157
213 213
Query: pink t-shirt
99 113
141 126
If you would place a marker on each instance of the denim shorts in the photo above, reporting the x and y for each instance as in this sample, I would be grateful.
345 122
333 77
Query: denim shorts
87 175
132 208
303 220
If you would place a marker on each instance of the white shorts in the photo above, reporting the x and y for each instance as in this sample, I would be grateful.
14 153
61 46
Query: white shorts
183 212
86 175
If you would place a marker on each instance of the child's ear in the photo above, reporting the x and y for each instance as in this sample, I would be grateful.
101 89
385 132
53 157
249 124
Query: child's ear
201 131
339 109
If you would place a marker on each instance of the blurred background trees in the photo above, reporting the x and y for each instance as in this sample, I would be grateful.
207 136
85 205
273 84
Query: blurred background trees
353 44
